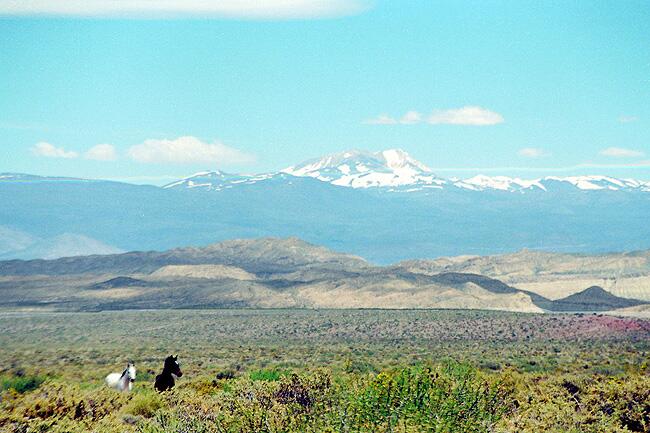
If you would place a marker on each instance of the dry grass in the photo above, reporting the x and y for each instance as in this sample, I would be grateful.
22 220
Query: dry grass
326 371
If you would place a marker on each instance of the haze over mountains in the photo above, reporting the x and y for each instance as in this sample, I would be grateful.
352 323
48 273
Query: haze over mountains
383 206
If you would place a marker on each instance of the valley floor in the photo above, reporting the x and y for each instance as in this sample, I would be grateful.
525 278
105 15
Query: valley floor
327 370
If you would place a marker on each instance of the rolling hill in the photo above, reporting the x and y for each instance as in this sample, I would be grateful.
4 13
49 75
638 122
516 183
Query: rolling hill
265 273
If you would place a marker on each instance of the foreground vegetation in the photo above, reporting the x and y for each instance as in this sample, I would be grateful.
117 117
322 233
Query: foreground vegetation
327 371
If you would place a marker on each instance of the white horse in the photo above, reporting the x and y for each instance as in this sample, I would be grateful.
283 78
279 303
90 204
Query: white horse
123 381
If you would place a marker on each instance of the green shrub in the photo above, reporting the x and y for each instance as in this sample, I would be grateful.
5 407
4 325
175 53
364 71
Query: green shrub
454 398
267 375
21 384
358 366
581 404
145 405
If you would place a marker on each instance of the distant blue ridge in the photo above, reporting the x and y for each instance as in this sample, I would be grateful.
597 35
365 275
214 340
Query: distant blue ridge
381 227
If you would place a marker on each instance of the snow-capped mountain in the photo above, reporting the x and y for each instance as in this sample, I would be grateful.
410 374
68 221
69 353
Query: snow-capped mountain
502 183
359 169
591 182
394 170
596 182
216 180
383 206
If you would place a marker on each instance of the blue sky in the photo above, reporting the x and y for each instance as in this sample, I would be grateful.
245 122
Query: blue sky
509 88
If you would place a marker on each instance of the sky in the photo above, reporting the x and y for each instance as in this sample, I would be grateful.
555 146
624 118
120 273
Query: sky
149 91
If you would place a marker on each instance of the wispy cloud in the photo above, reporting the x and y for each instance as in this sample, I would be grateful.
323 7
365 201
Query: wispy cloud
532 152
410 118
233 9
382 119
101 152
48 150
468 115
627 119
587 165
187 150
620 152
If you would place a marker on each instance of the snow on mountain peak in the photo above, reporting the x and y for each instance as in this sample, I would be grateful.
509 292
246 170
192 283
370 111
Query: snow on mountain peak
361 169
587 183
396 170
503 183
215 180
397 159
596 182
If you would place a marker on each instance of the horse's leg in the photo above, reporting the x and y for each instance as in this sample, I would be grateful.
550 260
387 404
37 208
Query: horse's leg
156 384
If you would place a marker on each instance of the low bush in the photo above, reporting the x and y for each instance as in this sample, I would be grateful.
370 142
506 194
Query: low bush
225 375
454 398
21 384
581 404
267 375
145 404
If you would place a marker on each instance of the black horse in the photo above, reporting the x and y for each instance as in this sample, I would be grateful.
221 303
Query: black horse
165 380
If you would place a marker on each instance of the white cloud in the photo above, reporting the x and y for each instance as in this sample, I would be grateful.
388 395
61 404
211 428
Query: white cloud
50 151
532 152
234 9
627 119
101 152
410 118
468 115
382 119
620 152
187 150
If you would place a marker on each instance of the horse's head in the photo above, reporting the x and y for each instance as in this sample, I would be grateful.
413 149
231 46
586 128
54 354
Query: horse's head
130 371
171 365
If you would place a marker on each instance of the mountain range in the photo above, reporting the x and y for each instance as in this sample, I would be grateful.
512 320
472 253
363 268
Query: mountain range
290 273
384 206
395 170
